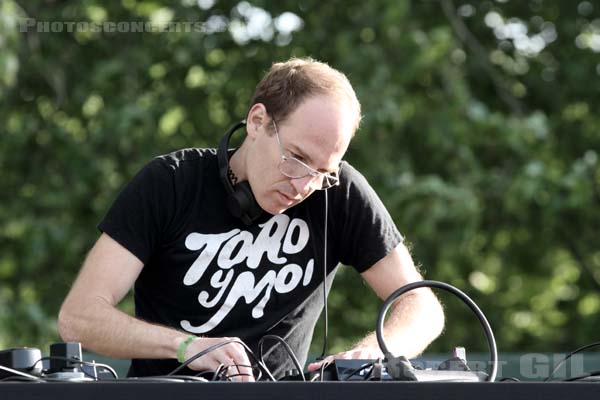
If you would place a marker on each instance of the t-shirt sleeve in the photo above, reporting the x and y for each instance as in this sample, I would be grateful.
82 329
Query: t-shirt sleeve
140 214
366 228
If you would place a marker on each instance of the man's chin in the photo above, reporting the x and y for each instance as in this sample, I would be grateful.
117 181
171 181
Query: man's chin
277 209
272 208
278 204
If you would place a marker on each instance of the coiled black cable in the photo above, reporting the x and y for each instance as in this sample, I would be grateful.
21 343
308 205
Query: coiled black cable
458 293
221 344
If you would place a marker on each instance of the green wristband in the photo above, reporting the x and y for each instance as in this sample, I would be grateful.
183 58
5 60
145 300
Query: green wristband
183 346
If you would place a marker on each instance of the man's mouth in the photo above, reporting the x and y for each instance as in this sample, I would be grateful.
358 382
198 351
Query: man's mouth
287 199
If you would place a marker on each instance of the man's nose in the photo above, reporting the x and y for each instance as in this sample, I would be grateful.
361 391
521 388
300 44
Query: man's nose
303 185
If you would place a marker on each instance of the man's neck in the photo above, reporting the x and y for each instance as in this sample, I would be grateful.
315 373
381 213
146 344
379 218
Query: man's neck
237 165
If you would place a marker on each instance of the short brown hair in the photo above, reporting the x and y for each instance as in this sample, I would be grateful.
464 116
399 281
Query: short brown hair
287 84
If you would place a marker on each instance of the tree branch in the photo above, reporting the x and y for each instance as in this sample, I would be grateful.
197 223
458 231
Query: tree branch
470 41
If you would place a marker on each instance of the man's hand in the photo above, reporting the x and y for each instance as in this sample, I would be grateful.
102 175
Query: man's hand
89 315
357 353
232 356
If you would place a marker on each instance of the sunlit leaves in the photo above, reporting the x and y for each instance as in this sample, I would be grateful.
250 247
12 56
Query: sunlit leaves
484 150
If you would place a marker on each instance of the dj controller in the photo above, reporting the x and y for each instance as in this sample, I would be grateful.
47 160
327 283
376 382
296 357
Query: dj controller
25 374
65 364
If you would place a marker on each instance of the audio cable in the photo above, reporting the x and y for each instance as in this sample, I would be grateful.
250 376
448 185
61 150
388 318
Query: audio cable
458 293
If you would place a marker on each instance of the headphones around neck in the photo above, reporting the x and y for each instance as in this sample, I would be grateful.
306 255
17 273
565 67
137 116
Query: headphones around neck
240 201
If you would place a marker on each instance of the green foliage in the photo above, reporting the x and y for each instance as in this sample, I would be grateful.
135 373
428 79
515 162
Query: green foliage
480 135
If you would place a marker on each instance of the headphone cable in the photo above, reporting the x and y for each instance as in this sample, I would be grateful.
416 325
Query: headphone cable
326 317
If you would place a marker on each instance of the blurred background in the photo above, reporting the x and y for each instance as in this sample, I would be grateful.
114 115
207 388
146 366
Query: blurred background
480 134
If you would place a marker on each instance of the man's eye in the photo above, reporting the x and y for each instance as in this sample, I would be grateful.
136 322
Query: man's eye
297 157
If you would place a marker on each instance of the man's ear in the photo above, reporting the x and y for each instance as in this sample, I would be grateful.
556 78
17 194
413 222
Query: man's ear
257 117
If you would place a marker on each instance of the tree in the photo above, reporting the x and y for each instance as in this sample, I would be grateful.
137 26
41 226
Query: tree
479 135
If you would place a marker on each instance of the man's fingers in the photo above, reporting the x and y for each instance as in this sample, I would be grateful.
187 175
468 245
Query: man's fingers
231 355
313 366
358 353
316 365
240 372
241 363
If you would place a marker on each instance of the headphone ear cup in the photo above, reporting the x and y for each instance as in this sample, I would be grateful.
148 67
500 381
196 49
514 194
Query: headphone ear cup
236 202
242 204
240 199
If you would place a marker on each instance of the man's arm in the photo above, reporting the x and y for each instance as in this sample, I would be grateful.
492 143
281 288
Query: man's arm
414 320
89 315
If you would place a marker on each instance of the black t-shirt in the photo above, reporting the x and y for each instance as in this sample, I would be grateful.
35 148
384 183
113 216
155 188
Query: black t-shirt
207 273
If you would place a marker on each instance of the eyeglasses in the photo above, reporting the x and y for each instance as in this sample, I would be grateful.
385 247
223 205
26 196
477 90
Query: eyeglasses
296 169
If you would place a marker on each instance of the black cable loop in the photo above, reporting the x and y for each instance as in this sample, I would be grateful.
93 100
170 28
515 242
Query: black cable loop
458 293
218 345
287 348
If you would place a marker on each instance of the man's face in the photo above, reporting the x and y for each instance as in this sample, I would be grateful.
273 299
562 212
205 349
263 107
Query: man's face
317 133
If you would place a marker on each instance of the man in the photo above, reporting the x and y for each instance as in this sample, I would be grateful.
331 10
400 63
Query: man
202 275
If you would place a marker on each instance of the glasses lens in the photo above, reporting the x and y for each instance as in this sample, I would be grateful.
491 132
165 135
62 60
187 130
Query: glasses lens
292 168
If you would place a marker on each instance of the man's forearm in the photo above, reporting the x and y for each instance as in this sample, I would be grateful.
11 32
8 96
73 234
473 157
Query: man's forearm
413 322
104 329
